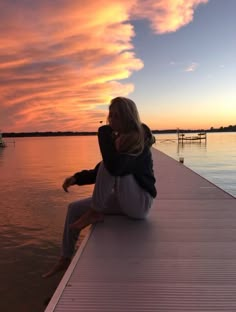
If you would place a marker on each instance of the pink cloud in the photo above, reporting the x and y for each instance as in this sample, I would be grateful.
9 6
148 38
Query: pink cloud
61 61
192 67
166 15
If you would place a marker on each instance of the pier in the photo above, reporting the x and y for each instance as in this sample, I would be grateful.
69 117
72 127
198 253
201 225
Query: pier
181 137
2 143
181 258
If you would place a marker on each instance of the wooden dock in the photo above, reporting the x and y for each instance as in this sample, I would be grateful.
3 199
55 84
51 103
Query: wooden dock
182 138
2 143
182 258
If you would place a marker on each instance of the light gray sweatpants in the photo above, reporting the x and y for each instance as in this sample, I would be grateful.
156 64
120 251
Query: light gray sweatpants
111 195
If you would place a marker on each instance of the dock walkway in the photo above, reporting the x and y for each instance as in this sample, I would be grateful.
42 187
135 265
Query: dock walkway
182 258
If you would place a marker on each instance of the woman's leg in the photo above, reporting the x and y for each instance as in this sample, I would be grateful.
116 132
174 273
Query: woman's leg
75 211
130 198
104 200
104 190
134 201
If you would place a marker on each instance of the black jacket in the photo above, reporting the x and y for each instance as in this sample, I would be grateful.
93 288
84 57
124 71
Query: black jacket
140 166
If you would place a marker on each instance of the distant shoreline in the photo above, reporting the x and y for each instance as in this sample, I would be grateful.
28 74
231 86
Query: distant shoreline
87 133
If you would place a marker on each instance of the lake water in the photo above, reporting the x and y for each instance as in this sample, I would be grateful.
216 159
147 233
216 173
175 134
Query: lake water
214 159
33 204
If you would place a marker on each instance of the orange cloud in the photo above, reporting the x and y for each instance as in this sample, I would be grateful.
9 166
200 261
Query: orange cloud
166 15
62 61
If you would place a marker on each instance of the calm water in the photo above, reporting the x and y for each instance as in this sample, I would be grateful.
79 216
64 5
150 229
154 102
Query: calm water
33 208
33 205
214 159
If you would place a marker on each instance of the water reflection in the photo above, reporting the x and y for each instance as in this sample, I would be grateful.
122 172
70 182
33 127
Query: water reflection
191 147
1 156
33 208
215 159
170 143
33 204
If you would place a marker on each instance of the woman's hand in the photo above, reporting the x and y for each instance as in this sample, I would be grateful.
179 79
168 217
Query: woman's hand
68 182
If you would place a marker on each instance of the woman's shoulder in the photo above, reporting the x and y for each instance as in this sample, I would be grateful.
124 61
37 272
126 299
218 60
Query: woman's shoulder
106 128
149 138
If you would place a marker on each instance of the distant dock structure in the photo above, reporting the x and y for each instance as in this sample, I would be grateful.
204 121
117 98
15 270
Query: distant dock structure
2 143
200 137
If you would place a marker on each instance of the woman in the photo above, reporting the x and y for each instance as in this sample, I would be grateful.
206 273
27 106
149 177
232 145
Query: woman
124 179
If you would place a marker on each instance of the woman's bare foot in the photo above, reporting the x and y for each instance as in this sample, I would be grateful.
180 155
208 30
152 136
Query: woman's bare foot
61 265
89 217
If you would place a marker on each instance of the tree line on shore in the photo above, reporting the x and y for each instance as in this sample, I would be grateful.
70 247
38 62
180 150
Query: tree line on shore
84 133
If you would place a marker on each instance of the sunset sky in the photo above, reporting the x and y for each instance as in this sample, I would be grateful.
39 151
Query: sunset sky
62 61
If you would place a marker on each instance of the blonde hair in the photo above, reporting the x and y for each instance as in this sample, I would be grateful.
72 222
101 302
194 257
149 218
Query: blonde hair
131 138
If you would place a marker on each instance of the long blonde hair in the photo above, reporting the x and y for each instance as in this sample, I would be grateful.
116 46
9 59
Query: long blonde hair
131 139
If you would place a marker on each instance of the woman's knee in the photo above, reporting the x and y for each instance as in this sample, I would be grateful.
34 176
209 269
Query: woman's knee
77 208
71 208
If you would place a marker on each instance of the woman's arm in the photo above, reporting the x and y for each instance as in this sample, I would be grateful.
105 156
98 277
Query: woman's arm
85 177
